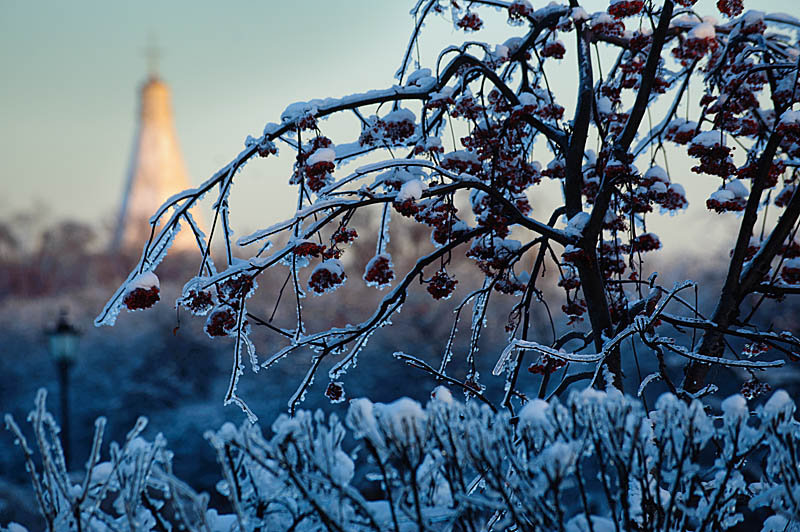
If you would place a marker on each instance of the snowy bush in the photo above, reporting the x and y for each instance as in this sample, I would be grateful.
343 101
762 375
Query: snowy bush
596 458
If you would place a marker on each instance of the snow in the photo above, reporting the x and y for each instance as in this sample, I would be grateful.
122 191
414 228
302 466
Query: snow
361 418
512 44
534 413
461 155
779 403
722 195
220 523
735 407
774 523
602 18
327 155
579 14
558 459
577 223
298 109
444 94
752 17
145 280
709 139
411 190
604 106
678 189
657 173
790 118
599 524
737 187
400 115
501 51
442 394
404 417
704 30
527 99
792 263
421 78
657 188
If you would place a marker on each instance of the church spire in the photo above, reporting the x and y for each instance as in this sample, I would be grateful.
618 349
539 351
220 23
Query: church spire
157 170
152 53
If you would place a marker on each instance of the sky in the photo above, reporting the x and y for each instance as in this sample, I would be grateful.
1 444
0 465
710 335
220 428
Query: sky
71 72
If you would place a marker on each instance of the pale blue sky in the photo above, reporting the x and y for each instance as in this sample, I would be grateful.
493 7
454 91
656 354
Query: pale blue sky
71 71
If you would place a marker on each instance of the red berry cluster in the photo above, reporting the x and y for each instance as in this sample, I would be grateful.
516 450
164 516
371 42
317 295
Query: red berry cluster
221 322
750 171
441 285
644 242
694 48
783 197
714 159
791 272
554 49
467 107
394 131
141 298
234 289
325 279
608 27
791 249
556 169
317 175
625 8
547 365
674 199
569 279
308 249
430 148
573 255
681 131
510 286
754 388
379 271
199 302
519 10
463 162
610 258
335 392
447 232
266 148
470 22
307 121
640 42
731 8
343 235
407 208
574 310
755 349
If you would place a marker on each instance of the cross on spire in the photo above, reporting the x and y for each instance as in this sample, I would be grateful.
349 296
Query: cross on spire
153 54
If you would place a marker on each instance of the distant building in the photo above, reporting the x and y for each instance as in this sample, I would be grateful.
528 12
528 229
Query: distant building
156 172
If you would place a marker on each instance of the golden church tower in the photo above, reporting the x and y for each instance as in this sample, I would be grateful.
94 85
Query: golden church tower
156 172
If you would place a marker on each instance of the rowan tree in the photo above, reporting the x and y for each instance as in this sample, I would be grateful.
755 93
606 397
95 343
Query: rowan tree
606 145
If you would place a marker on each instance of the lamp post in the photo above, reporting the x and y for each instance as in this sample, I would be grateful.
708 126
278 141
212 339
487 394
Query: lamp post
63 348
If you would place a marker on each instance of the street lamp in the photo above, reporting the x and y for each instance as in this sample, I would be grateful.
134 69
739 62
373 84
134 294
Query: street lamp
63 348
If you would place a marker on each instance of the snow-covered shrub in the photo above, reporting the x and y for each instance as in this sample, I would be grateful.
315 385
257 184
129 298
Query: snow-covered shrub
133 489
598 457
